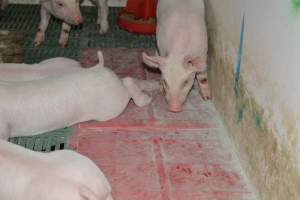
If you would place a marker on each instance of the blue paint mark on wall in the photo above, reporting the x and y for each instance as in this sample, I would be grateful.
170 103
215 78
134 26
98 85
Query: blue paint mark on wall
239 58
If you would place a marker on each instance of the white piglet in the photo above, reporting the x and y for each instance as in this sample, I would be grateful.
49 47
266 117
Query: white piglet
69 12
37 106
182 45
59 175
46 68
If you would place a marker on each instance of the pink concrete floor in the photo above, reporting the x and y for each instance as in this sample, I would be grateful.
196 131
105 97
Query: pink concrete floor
151 154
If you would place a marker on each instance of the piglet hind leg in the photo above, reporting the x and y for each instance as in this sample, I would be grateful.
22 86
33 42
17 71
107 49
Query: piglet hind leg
202 80
139 97
64 35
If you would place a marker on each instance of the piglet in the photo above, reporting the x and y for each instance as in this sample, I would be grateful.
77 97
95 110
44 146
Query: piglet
32 107
182 44
46 68
69 12
59 175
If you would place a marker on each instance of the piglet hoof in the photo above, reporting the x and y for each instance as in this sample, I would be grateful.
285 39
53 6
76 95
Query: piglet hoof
206 96
142 100
62 44
38 40
36 44
103 28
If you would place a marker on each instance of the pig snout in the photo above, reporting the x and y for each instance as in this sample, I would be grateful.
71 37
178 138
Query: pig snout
174 101
78 19
175 107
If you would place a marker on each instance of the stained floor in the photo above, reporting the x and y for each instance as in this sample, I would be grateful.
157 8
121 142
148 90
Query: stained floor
150 153
146 153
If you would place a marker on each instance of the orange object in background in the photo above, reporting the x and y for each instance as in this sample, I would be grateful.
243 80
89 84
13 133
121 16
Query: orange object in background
139 16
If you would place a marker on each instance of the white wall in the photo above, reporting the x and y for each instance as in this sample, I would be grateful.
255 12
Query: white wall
271 51
111 2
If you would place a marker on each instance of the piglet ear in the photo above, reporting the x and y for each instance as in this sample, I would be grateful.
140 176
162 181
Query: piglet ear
153 61
100 58
197 64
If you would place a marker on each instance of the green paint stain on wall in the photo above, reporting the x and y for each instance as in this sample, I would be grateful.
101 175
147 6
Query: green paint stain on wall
257 119
241 112
296 5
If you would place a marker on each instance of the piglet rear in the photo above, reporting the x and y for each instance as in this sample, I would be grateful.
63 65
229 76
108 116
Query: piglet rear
37 106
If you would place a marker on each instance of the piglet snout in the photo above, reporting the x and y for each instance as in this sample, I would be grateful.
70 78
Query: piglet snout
175 108
78 19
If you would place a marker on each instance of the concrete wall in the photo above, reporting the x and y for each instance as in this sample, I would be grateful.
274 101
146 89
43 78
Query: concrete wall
264 115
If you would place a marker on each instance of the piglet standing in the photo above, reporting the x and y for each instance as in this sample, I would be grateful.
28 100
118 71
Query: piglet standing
182 44
59 175
69 12
46 68
37 106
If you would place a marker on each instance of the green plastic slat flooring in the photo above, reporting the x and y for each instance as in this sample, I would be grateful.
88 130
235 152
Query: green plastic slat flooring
45 142
25 19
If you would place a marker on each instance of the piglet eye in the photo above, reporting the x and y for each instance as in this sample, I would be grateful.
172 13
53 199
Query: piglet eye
60 4
185 83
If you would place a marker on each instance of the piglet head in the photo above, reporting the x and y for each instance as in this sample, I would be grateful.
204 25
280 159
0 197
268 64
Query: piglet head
67 10
178 76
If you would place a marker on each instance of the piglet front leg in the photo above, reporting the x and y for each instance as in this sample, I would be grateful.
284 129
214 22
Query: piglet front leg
147 85
203 85
64 35
139 97
40 35
103 16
